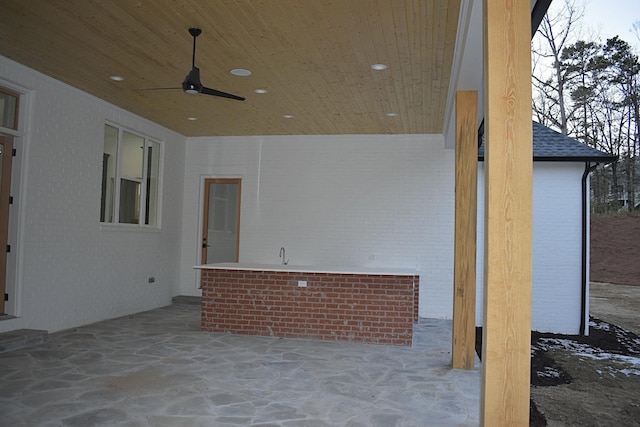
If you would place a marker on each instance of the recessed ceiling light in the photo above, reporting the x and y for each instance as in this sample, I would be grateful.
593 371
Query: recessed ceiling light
260 91
392 114
116 78
240 72
379 67
192 118
288 116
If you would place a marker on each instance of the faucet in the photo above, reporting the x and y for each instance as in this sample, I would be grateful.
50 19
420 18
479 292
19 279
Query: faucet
282 255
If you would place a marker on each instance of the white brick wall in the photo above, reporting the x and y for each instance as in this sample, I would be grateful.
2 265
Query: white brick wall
71 271
557 246
363 200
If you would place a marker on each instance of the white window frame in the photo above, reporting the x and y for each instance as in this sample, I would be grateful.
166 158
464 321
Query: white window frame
143 188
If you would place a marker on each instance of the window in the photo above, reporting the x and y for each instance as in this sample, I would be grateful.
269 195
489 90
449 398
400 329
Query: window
9 109
130 178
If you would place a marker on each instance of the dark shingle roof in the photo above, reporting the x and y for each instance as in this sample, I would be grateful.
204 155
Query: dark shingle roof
552 146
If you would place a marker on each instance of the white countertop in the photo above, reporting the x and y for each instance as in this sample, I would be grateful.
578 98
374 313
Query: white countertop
341 269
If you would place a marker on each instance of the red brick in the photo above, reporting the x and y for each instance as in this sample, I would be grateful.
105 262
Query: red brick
369 308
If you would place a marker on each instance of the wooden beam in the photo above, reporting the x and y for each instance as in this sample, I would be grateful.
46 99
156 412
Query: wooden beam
506 355
466 217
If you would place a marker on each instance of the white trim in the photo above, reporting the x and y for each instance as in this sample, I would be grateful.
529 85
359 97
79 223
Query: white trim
467 70
200 222
464 18
129 228
22 139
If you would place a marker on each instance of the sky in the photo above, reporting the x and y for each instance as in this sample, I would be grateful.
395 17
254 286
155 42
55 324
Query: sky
609 18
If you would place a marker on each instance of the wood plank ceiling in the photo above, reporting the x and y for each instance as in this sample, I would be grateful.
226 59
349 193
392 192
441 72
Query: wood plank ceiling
313 57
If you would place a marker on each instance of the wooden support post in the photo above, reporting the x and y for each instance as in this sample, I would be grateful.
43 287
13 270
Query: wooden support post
506 355
466 217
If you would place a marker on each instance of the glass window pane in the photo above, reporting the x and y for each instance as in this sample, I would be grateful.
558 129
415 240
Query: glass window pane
232 208
224 206
222 232
132 155
219 211
8 109
129 202
153 175
109 159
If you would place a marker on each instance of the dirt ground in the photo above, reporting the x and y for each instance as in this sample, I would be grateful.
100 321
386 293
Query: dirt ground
618 304
595 380
587 381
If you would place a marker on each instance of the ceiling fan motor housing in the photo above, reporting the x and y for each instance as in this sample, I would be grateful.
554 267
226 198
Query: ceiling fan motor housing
191 83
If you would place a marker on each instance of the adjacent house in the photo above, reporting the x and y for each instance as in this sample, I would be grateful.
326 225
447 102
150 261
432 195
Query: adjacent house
560 230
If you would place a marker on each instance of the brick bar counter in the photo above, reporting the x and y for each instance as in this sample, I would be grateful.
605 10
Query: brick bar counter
360 304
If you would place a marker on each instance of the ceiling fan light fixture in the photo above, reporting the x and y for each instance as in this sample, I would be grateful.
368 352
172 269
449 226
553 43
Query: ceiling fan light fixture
191 83
241 72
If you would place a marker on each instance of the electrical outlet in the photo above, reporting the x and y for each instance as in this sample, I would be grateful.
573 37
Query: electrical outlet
302 283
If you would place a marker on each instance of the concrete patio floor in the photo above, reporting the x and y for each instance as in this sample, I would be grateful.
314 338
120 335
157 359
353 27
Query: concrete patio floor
157 369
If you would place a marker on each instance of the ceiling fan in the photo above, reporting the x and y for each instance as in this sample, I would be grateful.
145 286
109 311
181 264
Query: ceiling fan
192 84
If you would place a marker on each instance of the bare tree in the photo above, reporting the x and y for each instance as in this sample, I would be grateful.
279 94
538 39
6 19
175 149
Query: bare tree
591 91
635 29
549 80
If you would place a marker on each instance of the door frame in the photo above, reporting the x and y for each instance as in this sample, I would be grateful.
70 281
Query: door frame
14 268
5 194
202 242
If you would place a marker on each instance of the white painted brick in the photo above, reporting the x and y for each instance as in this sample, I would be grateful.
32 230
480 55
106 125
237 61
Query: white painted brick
72 272
334 200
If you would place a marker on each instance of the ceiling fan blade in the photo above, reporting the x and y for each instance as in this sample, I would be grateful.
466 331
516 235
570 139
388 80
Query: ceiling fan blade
209 91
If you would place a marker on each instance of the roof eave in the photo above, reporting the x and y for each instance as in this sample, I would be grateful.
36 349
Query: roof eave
603 160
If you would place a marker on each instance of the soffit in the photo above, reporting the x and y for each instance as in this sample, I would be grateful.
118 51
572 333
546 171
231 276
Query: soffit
313 58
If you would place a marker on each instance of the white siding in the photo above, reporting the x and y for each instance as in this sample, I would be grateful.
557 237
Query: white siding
557 246
364 200
71 271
